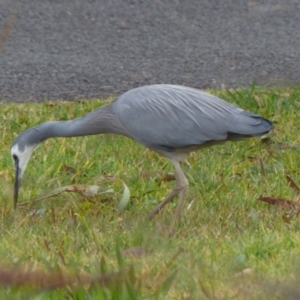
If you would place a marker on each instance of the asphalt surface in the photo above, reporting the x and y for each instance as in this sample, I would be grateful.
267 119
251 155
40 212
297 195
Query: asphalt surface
70 49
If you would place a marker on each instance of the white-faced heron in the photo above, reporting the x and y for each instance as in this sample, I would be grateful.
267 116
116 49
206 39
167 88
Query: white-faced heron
169 119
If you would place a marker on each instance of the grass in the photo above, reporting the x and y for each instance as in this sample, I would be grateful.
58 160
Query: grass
228 245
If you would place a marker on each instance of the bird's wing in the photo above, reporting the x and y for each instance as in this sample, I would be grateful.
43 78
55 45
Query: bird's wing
175 116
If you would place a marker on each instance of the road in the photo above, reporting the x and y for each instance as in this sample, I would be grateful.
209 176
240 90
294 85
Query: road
72 49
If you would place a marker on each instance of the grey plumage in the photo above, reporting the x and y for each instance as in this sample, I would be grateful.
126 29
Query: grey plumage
172 120
174 117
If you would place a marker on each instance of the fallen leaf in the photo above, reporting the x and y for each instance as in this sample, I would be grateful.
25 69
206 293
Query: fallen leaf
146 175
280 202
266 141
51 104
245 272
72 188
286 219
135 252
159 177
38 212
125 198
109 177
277 145
92 190
168 177
262 167
292 184
282 146
165 177
68 169
16 277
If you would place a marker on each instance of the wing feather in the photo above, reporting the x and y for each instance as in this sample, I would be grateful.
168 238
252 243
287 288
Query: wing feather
176 116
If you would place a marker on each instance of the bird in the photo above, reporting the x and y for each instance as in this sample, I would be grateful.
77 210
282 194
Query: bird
171 120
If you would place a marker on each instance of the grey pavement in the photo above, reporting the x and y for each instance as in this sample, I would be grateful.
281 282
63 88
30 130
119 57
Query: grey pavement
70 49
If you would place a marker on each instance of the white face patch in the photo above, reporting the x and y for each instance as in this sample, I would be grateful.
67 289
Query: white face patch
22 156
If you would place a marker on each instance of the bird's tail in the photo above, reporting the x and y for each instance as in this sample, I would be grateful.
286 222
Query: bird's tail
262 126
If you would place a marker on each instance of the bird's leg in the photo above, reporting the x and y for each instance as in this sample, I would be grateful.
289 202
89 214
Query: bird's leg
180 188
184 184
174 192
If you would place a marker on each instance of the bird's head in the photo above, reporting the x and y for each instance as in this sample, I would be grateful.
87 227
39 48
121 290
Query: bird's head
21 151
26 143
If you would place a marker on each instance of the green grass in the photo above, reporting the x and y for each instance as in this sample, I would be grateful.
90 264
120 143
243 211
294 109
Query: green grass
228 245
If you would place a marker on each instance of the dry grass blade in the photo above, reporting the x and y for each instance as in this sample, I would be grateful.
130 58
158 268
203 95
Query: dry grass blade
292 184
173 258
9 25
258 101
280 202
109 177
78 188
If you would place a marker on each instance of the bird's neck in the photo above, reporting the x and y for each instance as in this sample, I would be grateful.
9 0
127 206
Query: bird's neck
99 121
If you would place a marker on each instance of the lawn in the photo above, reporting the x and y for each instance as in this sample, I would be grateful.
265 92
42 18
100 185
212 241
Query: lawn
78 235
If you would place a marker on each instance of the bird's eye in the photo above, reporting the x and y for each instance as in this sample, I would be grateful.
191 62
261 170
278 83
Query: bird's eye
15 157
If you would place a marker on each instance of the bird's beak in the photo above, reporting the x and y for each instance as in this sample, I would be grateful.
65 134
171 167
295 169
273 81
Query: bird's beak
17 182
